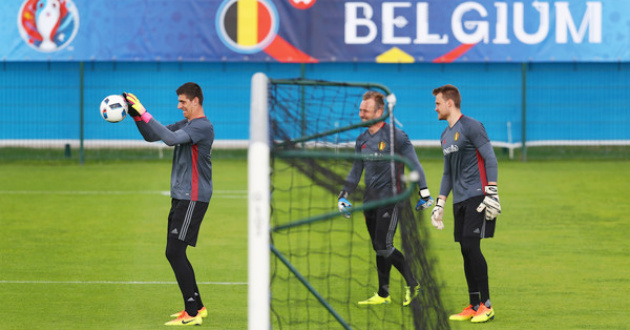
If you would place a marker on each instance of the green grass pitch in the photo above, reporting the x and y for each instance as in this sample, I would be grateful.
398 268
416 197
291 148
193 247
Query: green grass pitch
82 247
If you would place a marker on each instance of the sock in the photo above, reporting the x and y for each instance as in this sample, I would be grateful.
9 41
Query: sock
184 273
484 291
473 289
474 298
398 260
475 269
198 299
191 306
384 266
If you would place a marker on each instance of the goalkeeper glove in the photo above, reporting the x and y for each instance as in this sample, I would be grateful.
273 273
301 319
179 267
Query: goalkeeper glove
437 214
490 203
134 106
130 110
344 205
425 199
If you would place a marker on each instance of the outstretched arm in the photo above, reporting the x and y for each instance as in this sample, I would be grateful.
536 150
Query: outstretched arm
151 129
165 134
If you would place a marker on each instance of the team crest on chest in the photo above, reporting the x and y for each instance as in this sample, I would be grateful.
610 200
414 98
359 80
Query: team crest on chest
381 146
456 137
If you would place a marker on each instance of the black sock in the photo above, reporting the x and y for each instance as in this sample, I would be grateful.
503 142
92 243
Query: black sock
191 306
198 299
196 294
384 266
398 260
475 269
484 291
184 273
474 298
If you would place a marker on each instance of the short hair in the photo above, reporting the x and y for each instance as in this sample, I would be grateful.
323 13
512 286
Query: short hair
449 92
379 99
191 90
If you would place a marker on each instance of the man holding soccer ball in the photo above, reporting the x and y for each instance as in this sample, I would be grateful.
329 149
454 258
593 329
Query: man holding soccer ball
191 187
470 171
382 222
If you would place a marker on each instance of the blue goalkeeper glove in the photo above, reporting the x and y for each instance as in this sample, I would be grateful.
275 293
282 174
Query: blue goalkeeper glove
344 205
425 199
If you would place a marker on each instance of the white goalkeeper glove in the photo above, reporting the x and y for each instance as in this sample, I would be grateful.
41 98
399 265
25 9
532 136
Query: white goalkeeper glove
490 203
437 214
425 199
344 205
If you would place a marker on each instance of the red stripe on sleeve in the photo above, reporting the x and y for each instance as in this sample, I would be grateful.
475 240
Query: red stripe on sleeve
194 184
482 171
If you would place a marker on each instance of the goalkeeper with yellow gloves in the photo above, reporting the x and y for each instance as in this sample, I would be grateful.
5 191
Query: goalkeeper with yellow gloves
470 172
191 187
382 222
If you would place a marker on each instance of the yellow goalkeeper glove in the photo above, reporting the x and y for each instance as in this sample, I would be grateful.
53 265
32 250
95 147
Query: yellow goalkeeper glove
135 107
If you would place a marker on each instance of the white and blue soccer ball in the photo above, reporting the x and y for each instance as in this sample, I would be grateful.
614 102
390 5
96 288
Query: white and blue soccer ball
114 108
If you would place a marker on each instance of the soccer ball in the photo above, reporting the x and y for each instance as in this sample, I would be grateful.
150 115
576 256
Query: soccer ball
114 108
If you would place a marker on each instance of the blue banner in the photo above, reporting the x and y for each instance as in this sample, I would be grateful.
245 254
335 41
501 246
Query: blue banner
311 31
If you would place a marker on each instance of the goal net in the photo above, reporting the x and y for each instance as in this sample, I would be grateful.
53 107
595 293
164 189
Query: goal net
308 265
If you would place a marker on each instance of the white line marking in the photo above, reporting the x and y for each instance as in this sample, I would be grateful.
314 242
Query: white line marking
80 192
117 282
232 194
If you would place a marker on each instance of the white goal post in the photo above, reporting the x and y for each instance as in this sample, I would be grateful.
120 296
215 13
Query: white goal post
258 181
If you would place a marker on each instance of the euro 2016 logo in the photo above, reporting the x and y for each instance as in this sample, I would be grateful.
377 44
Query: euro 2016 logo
48 25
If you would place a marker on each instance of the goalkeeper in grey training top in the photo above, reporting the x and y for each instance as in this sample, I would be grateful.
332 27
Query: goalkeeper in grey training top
470 171
382 222
191 187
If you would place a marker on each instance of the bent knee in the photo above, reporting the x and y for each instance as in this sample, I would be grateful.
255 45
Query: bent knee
385 253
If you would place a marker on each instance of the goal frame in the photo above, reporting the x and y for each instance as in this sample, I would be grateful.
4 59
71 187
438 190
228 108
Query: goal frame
259 182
